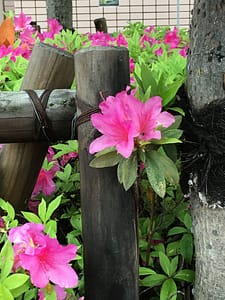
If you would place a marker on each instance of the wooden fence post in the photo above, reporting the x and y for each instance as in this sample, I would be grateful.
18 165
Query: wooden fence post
20 163
101 25
108 212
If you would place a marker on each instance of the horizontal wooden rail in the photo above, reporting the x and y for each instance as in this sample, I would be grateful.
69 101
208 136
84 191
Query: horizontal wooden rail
18 122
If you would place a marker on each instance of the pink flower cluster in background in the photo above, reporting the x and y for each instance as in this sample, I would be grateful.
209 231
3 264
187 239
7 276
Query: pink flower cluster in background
45 183
43 257
28 36
124 121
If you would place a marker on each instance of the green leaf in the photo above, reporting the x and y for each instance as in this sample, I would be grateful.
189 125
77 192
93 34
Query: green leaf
51 228
6 260
6 206
168 290
173 265
53 205
170 170
172 134
5 293
15 280
155 174
109 159
186 247
177 109
173 248
67 172
21 290
31 217
177 123
169 92
153 280
127 171
185 275
164 141
188 221
160 247
177 230
146 271
72 146
164 263
30 294
42 210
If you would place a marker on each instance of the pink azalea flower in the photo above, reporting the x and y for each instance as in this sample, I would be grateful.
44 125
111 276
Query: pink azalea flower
147 39
149 29
149 117
27 37
125 120
23 50
183 51
132 65
60 292
50 154
101 39
171 38
5 50
41 295
22 21
67 157
33 205
54 26
26 236
45 183
159 52
44 35
44 258
2 223
121 41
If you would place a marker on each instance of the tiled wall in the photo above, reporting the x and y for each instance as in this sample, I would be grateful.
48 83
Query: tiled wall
8 4
150 12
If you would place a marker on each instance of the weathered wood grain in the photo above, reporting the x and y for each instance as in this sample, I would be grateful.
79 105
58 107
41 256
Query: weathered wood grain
18 122
20 163
108 212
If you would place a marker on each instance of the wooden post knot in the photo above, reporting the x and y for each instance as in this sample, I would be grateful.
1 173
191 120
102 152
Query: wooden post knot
39 105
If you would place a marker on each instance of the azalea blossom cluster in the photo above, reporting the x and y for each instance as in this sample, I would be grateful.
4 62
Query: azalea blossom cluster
125 122
45 183
27 36
171 39
44 258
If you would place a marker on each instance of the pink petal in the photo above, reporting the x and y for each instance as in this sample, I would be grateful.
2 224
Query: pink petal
100 144
165 119
38 274
63 275
125 148
153 106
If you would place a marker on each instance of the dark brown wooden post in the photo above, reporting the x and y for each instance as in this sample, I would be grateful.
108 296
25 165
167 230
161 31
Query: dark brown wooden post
101 25
108 212
20 164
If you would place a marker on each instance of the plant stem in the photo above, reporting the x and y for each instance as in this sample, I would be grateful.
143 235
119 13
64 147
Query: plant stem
137 200
151 196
